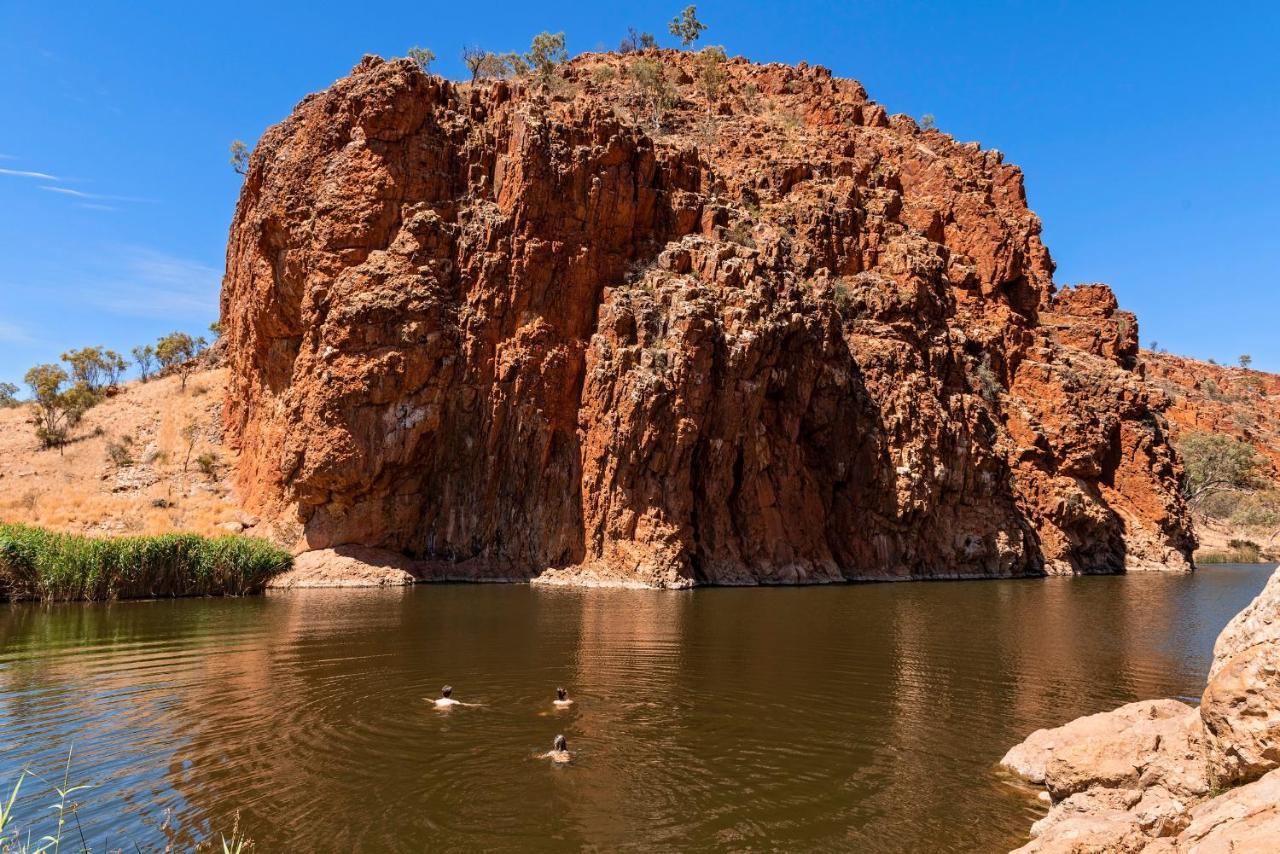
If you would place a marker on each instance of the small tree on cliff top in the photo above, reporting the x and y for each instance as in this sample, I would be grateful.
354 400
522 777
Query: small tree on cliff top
634 41
686 26
239 157
423 56
8 395
1246 360
546 53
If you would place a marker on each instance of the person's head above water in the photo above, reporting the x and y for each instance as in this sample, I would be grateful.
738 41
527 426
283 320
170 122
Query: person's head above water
560 744
561 694
446 691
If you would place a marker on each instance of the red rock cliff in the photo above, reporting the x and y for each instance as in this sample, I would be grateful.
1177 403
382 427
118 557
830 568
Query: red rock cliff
784 337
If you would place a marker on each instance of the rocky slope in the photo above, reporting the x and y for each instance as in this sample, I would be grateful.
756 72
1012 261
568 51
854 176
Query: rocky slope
1236 402
130 467
1163 776
1210 398
775 335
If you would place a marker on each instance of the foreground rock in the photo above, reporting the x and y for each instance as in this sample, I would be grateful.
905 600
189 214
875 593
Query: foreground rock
1140 778
783 337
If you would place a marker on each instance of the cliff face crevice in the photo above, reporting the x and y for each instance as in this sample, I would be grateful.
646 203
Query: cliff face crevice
787 338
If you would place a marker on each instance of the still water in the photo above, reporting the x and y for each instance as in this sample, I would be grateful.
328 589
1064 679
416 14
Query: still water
861 717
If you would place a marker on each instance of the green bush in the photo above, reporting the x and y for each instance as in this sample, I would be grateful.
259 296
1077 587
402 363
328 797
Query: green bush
36 564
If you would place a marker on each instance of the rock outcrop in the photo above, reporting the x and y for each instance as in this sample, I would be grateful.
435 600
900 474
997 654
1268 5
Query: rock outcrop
1150 776
774 336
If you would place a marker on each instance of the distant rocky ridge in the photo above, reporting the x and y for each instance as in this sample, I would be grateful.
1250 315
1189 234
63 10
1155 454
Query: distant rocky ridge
509 331
1163 776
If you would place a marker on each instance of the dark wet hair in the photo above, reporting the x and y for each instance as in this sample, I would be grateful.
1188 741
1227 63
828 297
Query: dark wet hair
446 690
560 743
561 693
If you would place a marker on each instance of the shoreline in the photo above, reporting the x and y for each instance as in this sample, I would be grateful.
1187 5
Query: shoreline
1165 775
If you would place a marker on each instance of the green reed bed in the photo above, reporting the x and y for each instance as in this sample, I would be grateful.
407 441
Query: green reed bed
36 564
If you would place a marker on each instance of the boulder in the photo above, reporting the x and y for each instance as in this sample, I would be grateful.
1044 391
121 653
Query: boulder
1151 740
1143 777
347 566
1258 623
1241 712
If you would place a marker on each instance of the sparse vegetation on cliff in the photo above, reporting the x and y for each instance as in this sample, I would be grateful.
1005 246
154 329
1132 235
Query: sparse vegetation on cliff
686 26
423 56
239 157
36 564
1215 464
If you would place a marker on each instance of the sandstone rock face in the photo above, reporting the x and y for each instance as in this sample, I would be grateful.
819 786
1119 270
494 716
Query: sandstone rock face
1140 778
784 338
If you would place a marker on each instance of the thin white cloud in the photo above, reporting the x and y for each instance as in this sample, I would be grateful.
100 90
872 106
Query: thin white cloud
13 334
23 173
155 284
94 206
7 157
81 194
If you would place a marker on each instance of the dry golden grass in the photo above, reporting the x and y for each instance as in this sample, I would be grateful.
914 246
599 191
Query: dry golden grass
80 489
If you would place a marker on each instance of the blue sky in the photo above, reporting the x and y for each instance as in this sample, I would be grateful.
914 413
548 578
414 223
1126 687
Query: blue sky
1148 133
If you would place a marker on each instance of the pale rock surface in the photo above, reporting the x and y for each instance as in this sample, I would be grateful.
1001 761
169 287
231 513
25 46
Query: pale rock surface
1143 777
347 566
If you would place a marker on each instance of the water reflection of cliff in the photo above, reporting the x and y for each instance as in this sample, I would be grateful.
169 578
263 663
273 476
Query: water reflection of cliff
863 717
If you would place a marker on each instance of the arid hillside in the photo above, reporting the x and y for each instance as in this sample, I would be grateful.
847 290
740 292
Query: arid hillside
1241 404
123 471
673 318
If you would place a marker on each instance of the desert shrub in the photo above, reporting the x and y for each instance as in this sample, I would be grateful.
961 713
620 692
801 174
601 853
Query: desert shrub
603 75
842 295
36 564
208 464
634 41
8 395
988 383
710 73
654 89
928 121
740 234
120 454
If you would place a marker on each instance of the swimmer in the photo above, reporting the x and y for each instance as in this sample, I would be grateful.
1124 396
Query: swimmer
445 701
562 700
559 751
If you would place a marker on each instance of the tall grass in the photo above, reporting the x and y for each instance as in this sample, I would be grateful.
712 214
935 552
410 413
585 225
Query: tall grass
36 564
